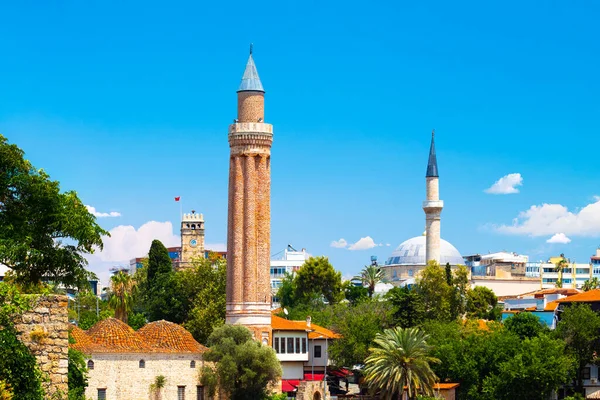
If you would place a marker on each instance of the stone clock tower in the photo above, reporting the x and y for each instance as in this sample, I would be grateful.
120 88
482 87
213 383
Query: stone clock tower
249 214
192 238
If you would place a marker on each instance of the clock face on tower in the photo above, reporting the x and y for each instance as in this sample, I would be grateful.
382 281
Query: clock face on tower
193 242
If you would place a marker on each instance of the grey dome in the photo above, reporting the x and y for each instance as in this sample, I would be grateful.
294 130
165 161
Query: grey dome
412 252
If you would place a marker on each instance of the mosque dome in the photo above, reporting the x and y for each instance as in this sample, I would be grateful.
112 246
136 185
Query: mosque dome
412 252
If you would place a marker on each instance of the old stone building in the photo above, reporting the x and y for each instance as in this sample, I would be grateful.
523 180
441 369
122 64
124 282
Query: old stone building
249 212
123 363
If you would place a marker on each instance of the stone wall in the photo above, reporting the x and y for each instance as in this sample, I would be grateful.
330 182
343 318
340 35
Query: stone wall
121 377
312 390
45 331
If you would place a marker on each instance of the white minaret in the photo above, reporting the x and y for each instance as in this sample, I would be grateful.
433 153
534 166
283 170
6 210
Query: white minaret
432 207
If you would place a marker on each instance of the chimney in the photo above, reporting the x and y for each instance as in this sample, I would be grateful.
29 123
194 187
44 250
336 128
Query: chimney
308 319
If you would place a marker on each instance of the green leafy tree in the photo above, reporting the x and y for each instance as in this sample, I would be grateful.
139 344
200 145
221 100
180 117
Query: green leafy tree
317 279
123 288
539 368
358 327
579 327
244 367
409 308
435 292
481 303
44 234
287 291
458 291
370 276
77 373
354 293
526 325
204 289
401 358
18 367
449 279
591 284
159 262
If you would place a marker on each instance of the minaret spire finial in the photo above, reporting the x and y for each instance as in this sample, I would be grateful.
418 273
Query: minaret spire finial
432 131
251 45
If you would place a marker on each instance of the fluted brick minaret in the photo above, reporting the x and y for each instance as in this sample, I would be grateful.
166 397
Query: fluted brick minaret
433 207
249 218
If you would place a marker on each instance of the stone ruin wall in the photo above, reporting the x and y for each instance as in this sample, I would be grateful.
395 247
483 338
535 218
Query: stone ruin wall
44 329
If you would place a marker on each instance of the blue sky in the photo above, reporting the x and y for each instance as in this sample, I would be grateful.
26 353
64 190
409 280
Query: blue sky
130 105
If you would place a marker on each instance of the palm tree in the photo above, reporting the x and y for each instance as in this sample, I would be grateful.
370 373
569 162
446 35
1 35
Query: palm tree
123 288
561 265
590 284
159 383
370 276
401 359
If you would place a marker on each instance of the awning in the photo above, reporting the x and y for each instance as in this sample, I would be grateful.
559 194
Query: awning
340 373
289 385
315 377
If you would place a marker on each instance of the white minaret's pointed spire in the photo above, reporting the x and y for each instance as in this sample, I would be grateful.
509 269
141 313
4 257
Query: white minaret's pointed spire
432 206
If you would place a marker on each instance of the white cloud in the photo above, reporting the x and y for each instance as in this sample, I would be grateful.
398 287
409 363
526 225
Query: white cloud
387 245
559 238
125 242
98 214
214 246
506 185
548 219
339 244
363 244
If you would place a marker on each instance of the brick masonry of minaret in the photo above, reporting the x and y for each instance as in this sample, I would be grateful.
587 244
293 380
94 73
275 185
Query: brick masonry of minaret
249 219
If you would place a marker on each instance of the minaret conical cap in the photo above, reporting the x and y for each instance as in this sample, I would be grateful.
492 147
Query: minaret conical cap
432 168
250 80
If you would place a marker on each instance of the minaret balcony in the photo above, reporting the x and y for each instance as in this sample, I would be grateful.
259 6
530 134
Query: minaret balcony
433 205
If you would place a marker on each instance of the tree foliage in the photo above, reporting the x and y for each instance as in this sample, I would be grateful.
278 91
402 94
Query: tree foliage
244 367
525 325
123 288
401 358
44 234
409 308
491 363
481 304
579 327
317 279
18 367
370 276
358 325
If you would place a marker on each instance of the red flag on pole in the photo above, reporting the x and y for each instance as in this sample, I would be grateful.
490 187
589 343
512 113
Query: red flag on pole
177 198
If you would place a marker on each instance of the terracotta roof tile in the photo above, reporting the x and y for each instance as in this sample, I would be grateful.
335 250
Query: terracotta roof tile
316 331
113 336
551 306
591 296
165 336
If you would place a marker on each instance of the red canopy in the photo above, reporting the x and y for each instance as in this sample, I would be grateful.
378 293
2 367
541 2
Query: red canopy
341 373
289 385
315 377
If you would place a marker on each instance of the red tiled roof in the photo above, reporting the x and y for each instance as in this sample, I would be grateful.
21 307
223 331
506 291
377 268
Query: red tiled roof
114 336
315 331
591 296
551 306
165 336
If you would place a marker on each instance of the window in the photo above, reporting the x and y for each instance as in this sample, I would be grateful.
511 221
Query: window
317 352
297 345
304 345
410 272
585 373
180 392
193 364
199 392
276 345
142 364
90 364
101 394
290 344
282 345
